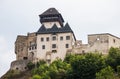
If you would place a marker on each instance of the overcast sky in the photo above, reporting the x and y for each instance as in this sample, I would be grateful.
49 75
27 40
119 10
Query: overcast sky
18 17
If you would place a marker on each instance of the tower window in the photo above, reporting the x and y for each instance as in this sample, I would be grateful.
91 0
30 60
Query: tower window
67 45
114 40
54 38
35 47
42 39
43 46
47 39
53 45
61 38
25 58
67 37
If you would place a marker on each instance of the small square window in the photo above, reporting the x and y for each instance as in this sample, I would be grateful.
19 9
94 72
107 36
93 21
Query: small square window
43 46
61 38
67 45
67 37
54 38
53 45
47 39
42 39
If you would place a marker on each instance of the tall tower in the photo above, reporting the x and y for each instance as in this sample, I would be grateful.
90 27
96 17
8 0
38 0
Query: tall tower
51 17
54 38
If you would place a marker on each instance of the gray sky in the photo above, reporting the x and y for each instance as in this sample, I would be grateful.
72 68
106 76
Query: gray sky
84 16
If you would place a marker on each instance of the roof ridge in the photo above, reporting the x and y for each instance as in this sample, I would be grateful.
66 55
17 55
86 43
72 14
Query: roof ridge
50 11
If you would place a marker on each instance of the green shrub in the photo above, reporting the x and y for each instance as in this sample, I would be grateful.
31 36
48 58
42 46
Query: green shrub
36 77
106 73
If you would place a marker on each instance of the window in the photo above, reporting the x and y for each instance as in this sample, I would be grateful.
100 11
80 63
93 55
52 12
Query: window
30 43
67 45
42 39
32 47
43 46
54 38
67 37
25 58
114 40
83 51
54 51
35 47
61 38
17 68
47 39
53 45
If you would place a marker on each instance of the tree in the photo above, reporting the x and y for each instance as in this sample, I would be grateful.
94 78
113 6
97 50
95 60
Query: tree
86 66
113 58
58 69
106 73
118 71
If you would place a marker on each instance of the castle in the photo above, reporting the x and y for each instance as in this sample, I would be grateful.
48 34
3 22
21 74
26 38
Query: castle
54 40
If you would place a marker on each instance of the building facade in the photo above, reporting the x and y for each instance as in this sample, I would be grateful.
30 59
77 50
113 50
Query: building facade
97 43
54 40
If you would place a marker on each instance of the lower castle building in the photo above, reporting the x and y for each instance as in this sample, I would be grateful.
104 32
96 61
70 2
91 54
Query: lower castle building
54 40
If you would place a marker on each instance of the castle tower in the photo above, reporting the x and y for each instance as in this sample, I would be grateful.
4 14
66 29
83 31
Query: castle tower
54 38
51 17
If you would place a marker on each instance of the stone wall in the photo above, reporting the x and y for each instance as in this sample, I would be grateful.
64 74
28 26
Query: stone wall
24 45
20 65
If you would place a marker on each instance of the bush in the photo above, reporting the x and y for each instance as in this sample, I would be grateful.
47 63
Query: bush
118 71
30 65
106 73
36 77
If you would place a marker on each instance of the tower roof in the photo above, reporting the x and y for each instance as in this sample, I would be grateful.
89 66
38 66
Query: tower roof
50 11
51 15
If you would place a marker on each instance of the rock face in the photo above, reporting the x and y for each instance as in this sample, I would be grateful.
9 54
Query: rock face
20 65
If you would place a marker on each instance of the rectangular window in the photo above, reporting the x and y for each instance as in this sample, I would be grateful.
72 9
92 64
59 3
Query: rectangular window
42 39
67 37
53 45
29 48
61 38
67 45
43 46
54 38
47 39
35 47
25 58
32 47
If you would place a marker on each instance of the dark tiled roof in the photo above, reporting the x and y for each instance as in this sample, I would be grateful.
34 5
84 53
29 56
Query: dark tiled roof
54 29
50 11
